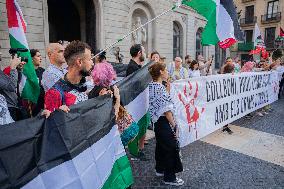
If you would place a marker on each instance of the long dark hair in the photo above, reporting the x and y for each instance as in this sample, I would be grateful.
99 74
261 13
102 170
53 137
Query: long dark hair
192 64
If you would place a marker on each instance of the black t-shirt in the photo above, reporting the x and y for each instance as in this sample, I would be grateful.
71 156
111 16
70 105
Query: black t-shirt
40 102
39 71
132 67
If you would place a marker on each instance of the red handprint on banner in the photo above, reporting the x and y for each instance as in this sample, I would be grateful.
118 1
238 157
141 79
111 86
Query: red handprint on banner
188 100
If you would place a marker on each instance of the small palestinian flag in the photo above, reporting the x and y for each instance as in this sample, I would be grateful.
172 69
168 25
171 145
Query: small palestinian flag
29 85
257 38
259 45
222 22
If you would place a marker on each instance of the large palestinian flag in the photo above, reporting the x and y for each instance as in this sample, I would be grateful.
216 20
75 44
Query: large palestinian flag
29 85
222 22
81 149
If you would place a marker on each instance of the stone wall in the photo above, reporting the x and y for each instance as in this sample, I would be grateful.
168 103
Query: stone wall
260 8
114 20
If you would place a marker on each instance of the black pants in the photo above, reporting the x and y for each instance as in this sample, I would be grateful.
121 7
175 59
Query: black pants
167 150
281 86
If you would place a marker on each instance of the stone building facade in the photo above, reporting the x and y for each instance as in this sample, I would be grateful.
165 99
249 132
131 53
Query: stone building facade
268 14
102 22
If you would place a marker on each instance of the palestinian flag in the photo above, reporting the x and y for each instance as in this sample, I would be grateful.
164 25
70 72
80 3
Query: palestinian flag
134 95
257 38
259 45
281 34
29 85
81 149
222 26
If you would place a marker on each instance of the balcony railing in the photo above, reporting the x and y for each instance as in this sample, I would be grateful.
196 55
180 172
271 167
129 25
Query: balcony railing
248 21
245 1
270 18
245 46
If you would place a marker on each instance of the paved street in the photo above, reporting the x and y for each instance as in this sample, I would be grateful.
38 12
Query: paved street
253 157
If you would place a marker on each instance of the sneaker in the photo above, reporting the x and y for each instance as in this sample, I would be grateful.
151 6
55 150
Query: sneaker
159 174
266 113
227 129
249 116
177 182
259 114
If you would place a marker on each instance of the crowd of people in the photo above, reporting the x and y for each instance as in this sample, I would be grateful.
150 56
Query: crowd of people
75 75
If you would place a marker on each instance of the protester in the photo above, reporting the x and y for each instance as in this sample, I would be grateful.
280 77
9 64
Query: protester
163 60
8 87
248 67
176 70
228 61
103 75
137 53
36 108
71 89
64 43
237 65
187 62
193 69
155 56
204 67
55 70
228 69
100 56
161 109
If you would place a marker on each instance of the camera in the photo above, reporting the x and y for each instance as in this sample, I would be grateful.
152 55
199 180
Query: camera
14 51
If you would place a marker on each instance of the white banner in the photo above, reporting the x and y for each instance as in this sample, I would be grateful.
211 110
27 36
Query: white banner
205 104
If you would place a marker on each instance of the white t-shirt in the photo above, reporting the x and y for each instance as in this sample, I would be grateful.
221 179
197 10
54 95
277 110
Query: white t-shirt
194 73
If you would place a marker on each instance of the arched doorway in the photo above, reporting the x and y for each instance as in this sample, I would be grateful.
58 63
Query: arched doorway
177 40
72 20
199 47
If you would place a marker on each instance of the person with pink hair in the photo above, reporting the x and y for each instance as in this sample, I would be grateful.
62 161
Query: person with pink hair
103 74
248 67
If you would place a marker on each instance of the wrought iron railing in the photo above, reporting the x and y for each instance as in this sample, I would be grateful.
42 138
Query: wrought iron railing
248 21
268 18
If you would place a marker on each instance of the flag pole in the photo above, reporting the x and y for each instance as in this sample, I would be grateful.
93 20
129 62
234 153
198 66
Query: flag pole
177 5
